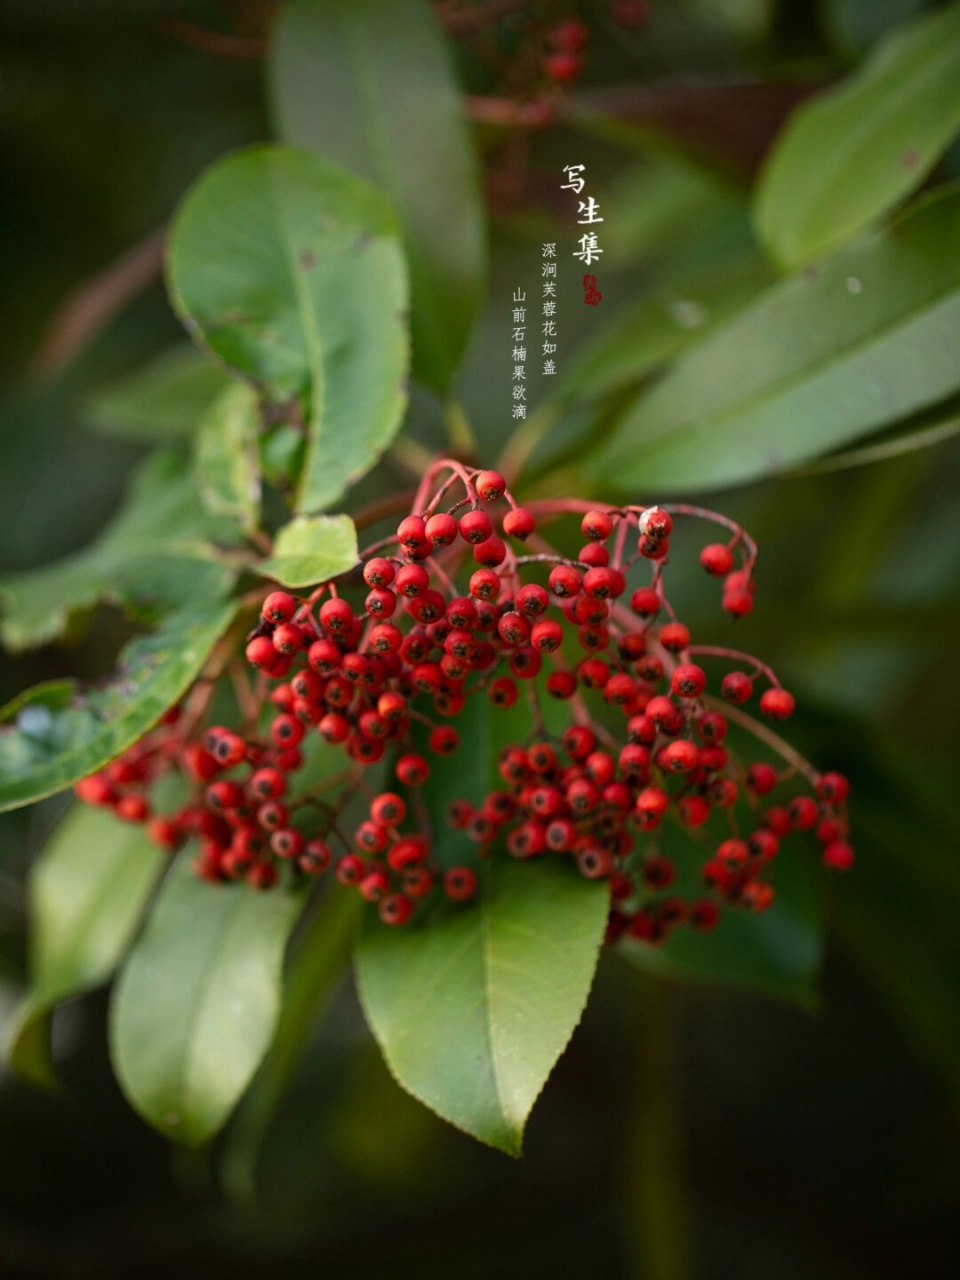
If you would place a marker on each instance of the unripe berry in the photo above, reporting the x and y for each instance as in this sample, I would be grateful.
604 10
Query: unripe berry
519 523
279 606
717 559
777 704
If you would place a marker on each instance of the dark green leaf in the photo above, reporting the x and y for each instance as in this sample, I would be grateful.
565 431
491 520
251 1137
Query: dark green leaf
776 952
58 733
164 399
311 549
815 362
851 154
88 888
155 554
197 1003
226 456
291 269
371 85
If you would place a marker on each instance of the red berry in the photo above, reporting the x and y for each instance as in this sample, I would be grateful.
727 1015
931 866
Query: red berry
761 779
484 585
737 687
95 790
839 856
777 704
411 532
336 616
395 909
132 809
503 692
316 857
519 523
563 66
803 812
564 581
412 770
388 809
351 869
287 843
279 606
475 527
260 653
596 525
561 684
378 572
570 35
680 756
412 580
694 811
656 523
717 559
833 787
674 636
459 884
688 681
444 740
645 602
490 552
490 485
737 603
441 529
374 885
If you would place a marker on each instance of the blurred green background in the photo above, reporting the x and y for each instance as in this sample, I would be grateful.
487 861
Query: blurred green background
688 1132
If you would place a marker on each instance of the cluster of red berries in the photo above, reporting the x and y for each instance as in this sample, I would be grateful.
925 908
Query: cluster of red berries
645 744
564 62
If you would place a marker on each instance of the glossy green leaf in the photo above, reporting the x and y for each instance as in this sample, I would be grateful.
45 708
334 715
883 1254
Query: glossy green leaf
473 1008
291 270
818 360
310 549
197 1003
474 1005
155 554
226 456
88 888
163 399
58 733
851 154
372 86
775 952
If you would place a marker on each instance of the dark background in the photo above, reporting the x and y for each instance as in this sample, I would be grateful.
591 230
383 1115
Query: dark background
783 1142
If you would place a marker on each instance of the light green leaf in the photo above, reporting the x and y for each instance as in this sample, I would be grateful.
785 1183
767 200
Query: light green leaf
820 359
197 1003
88 888
372 86
310 549
852 153
163 399
56 734
155 554
226 456
291 270
473 1008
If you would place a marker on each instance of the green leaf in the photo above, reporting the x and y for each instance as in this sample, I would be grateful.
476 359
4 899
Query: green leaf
311 549
776 952
155 554
372 86
88 888
57 733
852 153
820 359
473 1007
226 456
197 1003
291 270
162 400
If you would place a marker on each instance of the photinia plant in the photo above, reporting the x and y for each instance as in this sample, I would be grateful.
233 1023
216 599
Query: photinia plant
480 749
